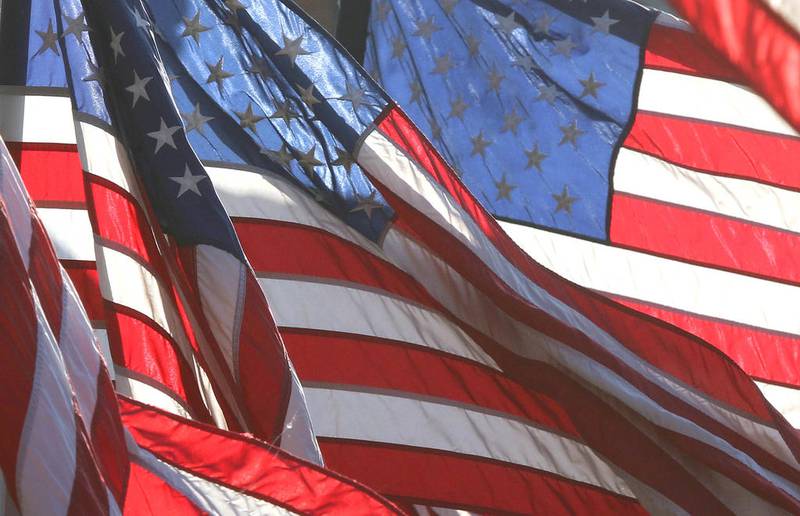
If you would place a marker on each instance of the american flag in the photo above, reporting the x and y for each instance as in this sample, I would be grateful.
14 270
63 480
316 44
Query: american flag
178 309
69 448
620 152
761 38
440 364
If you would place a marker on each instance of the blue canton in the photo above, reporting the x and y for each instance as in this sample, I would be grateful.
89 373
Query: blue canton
254 85
528 99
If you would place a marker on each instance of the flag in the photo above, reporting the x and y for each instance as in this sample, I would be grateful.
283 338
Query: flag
150 247
759 38
440 364
618 151
68 448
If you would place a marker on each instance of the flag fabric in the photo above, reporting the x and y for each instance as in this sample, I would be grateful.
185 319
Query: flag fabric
761 38
156 259
67 449
618 151
440 364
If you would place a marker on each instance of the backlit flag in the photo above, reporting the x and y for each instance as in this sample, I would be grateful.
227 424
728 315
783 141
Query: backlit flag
68 448
143 236
620 152
761 38
440 364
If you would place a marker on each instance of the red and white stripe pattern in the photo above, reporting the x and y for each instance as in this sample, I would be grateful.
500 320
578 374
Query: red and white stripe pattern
449 371
761 38
187 330
705 222
64 449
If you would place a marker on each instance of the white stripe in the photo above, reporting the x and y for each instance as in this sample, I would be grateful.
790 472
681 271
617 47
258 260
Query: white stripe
81 356
266 196
788 10
431 510
459 297
220 278
692 288
298 437
647 176
328 307
102 155
14 197
708 99
101 337
70 231
732 495
47 457
125 281
210 497
393 169
413 422
36 119
785 399
651 499
146 393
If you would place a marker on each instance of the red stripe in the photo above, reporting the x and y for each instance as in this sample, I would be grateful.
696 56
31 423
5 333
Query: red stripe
739 389
356 360
18 326
264 378
307 251
682 51
45 274
726 150
756 41
117 217
87 284
704 238
147 350
762 354
140 345
714 374
247 465
150 494
452 252
432 478
51 172
88 490
108 438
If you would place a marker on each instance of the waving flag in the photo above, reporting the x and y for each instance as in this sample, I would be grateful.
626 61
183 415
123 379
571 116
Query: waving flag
760 38
154 254
618 151
440 364
67 449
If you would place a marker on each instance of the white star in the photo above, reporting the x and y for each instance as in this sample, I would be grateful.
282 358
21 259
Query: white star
188 182
507 23
193 28
138 88
356 96
195 120
116 43
164 136
140 21
367 204
525 62
292 48
542 24
565 46
603 23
